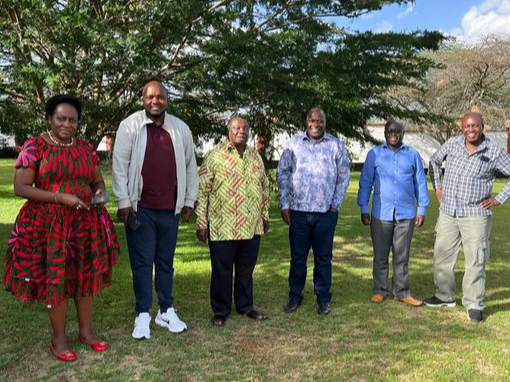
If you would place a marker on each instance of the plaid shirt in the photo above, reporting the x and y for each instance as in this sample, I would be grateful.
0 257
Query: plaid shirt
468 179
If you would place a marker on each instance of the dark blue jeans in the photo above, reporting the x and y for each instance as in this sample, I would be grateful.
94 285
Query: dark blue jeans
153 245
313 230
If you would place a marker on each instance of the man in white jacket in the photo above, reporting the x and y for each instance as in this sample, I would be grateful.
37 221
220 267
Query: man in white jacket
155 180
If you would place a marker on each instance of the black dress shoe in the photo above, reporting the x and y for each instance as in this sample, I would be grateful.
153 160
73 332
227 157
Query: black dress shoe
323 308
291 306
256 315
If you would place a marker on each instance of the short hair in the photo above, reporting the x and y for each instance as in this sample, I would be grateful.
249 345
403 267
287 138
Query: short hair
154 81
473 114
231 120
314 109
53 102
393 122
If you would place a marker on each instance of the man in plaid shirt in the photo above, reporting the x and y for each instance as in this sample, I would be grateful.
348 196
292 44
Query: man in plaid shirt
465 217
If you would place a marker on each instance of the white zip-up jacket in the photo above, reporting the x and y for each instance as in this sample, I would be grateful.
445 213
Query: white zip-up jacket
129 154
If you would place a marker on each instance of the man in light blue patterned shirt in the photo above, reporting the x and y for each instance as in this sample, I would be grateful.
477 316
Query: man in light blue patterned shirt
465 217
313 176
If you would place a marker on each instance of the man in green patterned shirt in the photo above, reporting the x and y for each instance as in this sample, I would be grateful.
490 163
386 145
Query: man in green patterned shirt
232 213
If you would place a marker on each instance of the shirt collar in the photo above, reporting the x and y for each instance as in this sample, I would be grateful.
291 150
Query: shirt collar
148 121
325 137
385 145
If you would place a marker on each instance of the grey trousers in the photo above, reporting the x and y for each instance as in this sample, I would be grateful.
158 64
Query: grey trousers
397 236
473 233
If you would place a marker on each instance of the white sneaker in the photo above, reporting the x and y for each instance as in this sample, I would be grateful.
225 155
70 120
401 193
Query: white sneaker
142 326
171 321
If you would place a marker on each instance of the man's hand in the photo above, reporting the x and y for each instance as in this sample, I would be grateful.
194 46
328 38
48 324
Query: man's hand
365 219
420 219
490 202
123 214
286 216
186 214
265 224
202 234
439 195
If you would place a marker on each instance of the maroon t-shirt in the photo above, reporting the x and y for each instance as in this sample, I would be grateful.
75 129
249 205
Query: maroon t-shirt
159 172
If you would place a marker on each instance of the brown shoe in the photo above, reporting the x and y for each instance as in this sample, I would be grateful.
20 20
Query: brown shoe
410 300
377 298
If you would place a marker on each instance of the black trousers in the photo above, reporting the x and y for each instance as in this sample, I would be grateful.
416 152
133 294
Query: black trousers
227 256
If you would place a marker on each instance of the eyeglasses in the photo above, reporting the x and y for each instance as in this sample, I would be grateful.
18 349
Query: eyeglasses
392 132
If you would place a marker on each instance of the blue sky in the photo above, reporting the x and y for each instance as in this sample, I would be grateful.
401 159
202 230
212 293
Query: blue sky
465 19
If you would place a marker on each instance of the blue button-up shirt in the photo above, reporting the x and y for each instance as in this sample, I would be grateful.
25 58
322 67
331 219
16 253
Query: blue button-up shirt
398 180
313 176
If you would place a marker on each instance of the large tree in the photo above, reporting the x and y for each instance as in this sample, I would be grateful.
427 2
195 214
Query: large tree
467 77
270 60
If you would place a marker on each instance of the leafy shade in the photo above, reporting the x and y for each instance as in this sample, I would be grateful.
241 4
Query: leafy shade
465 78
268 60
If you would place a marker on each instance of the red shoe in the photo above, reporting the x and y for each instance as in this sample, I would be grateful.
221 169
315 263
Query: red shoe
65 356
98 346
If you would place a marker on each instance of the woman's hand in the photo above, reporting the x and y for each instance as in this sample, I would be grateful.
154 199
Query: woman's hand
72 201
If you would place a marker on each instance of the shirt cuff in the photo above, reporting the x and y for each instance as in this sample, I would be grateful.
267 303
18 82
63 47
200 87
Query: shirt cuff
422 211
500 198
364 210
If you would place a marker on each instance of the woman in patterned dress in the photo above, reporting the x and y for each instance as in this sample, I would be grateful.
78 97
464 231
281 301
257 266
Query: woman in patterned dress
61 246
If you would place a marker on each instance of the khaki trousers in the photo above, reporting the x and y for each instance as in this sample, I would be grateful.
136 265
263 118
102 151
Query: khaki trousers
473 233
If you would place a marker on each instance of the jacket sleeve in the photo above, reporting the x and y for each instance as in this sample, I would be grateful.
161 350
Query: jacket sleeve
120 166
192 180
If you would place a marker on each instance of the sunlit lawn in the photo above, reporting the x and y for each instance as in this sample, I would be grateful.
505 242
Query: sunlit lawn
358 341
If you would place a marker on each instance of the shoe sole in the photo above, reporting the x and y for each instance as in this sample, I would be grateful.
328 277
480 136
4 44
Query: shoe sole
164 324
447 304
141 338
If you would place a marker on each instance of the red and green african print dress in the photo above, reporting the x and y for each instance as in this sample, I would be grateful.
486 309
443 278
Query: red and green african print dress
57 252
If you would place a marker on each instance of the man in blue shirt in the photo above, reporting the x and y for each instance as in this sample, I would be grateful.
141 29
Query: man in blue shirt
313 176
395 172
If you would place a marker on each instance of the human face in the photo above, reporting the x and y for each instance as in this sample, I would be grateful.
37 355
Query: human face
238 132
472 128
64 122
315 125
155 100
394 135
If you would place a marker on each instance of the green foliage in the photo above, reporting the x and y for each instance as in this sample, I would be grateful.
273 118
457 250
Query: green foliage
474 77
270 60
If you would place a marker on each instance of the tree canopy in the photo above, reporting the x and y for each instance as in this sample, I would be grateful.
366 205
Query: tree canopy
466 78
268 60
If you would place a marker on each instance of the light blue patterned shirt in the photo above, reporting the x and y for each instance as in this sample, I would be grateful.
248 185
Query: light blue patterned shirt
468 178
313 176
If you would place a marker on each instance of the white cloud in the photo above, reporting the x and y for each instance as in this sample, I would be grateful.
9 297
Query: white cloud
407 12
383 27
490 17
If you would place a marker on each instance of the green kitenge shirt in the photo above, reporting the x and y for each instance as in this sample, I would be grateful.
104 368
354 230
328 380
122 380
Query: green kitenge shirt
233 197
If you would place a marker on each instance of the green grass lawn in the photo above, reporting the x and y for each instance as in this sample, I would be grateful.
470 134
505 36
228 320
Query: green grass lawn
358 341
